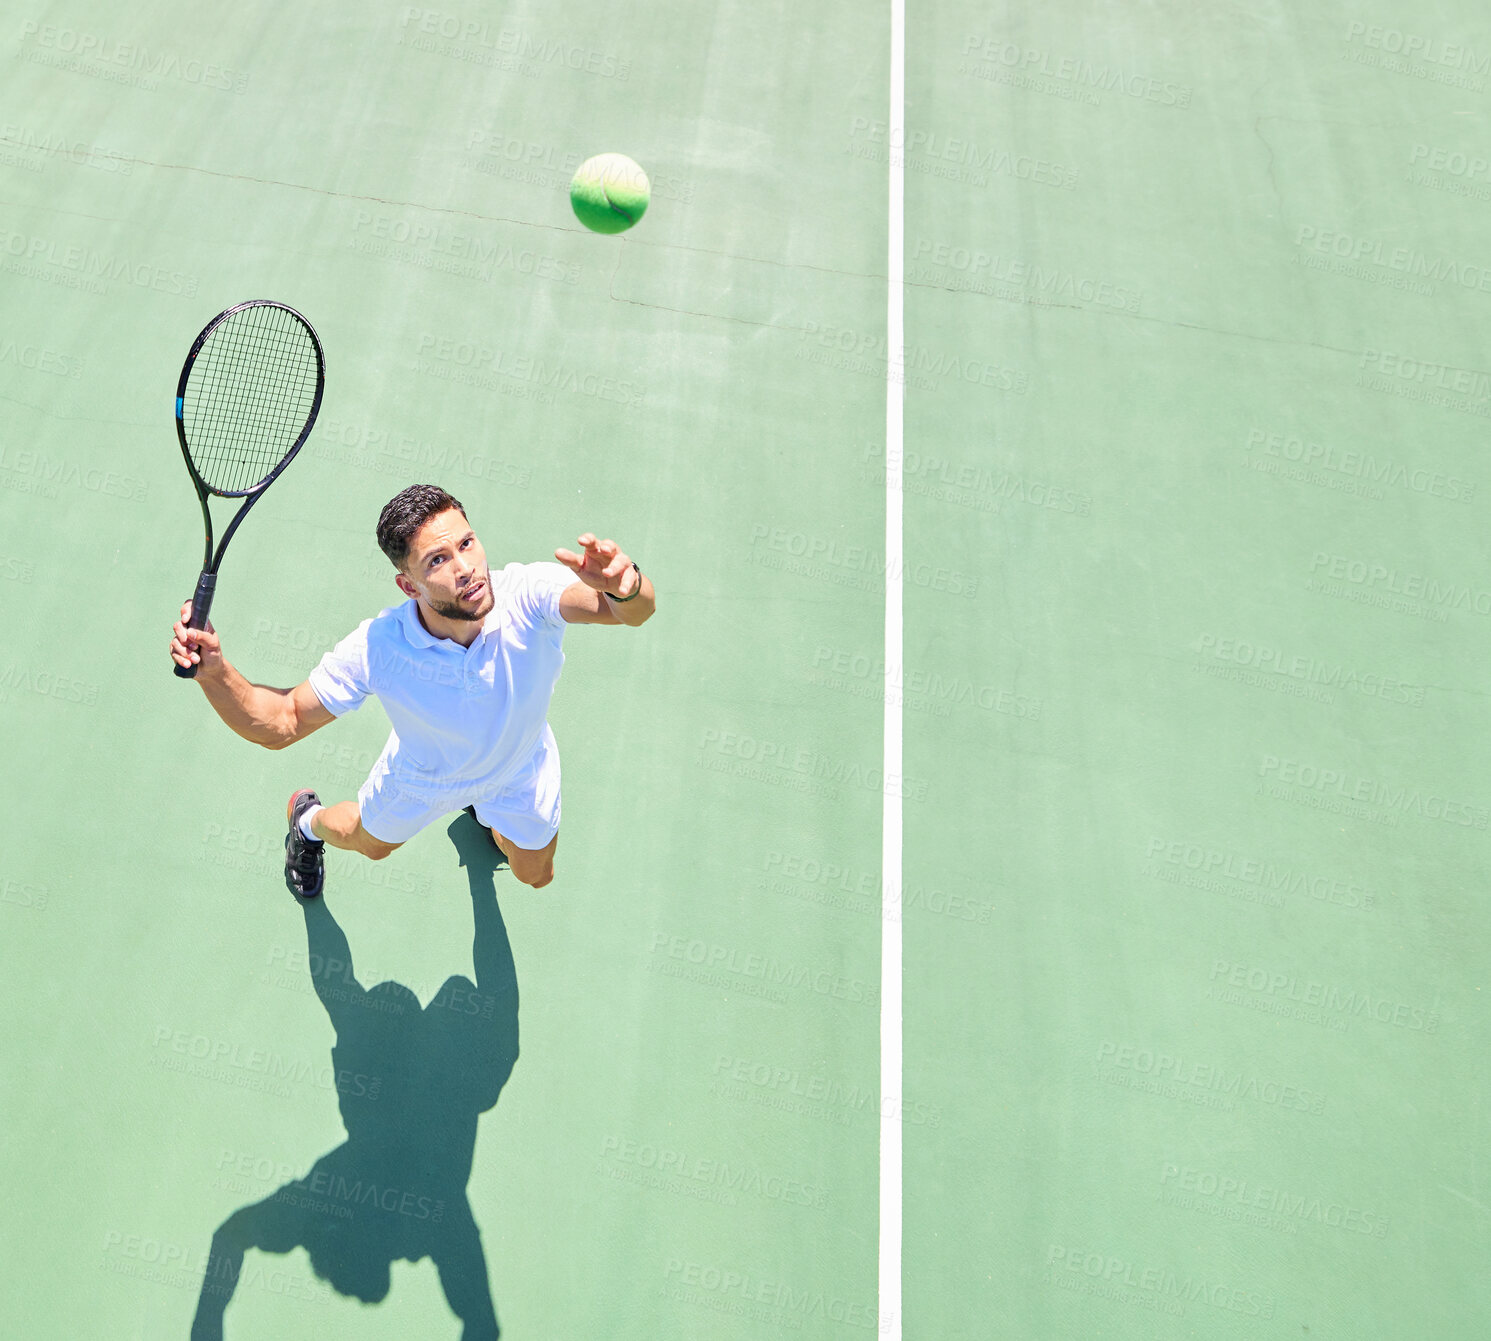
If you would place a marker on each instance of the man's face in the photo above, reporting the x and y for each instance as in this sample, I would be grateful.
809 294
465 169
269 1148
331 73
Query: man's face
447 566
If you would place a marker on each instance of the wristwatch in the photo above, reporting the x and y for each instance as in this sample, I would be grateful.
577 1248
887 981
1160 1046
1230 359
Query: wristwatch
622 600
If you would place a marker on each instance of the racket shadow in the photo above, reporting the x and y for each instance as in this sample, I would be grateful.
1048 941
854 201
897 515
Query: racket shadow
411 1082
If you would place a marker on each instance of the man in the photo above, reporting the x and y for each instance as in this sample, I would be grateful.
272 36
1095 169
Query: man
465 669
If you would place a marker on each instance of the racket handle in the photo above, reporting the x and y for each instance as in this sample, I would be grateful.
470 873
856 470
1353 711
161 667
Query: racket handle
201 604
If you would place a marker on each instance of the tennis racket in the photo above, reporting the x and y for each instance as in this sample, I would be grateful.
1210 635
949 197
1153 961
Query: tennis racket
249 392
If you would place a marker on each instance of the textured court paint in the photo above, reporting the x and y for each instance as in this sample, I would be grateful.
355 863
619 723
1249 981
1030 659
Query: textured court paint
1210 1069
473 338
1133 693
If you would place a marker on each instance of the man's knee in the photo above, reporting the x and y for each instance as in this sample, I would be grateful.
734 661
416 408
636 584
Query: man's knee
361 841
534 874
531 867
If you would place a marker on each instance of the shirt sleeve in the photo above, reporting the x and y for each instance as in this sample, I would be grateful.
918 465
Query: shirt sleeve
538 589
341 680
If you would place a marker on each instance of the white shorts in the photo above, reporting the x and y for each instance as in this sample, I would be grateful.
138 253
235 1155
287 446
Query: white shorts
525 811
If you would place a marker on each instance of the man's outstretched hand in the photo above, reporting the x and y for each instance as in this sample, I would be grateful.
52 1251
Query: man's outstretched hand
603 566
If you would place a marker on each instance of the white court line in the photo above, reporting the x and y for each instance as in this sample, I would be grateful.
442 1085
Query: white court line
891 905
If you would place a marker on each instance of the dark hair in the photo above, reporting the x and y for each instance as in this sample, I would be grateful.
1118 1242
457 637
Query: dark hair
406 512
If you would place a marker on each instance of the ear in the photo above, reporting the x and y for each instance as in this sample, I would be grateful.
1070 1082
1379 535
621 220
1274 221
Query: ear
404 585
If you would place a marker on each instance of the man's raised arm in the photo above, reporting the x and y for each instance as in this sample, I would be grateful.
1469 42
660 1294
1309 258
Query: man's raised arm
269 717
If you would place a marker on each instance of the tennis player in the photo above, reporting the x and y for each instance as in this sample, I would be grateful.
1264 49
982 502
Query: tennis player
465 669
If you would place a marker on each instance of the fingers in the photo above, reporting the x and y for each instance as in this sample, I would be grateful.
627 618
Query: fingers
189 645
597 552
181 652
602 549
182 649
603 565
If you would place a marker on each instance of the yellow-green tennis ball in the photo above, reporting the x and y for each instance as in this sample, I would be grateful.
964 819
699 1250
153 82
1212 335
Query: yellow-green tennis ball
609 193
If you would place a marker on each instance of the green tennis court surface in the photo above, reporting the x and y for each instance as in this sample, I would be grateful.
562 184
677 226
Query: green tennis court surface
1197 609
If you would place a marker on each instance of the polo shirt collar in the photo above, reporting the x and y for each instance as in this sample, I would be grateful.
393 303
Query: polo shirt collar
415 631
419 636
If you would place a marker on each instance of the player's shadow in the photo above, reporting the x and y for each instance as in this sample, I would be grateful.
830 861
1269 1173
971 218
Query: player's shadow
411 1082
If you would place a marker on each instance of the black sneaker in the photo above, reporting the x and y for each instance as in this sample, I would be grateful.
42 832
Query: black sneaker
305 858
501 855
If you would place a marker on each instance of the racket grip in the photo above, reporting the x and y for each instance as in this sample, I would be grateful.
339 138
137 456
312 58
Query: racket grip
201 605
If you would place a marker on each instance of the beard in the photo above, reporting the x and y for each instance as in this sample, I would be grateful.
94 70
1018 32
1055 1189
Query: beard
470 614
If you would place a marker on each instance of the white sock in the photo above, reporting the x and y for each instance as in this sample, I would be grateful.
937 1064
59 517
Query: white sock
305 823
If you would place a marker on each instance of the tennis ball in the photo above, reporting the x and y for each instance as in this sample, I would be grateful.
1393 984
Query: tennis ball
609 193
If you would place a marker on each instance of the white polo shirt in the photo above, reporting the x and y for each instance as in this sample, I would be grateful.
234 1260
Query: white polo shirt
464 718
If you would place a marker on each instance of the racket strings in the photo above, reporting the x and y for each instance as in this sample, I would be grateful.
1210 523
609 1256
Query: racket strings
249 396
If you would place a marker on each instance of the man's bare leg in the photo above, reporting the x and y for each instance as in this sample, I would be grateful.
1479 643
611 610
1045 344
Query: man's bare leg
535 868
341 826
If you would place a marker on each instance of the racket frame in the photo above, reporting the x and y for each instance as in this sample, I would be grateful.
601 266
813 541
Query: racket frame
211 560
